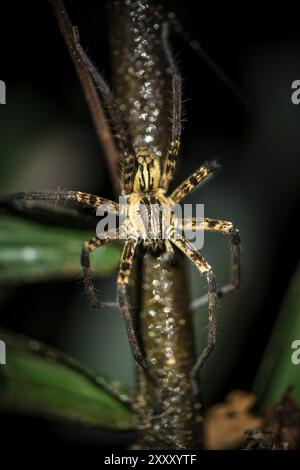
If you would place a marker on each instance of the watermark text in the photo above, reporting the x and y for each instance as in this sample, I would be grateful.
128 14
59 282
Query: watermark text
151 222
295 357
2 352
295 97
2 92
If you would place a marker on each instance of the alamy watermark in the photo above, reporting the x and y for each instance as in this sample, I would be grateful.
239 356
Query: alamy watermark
2 352
151 222
295 97
295 357
2 92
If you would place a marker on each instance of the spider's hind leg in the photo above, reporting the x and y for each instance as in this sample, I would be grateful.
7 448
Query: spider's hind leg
226 228
190 251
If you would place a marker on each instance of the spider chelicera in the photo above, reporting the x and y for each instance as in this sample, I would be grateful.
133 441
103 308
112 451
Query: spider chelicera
144 183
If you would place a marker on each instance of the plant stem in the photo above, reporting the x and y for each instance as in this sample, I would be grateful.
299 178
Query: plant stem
167 334
142 88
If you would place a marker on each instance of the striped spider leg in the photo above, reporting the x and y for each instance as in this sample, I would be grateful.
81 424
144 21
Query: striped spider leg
71 38
93 85
200 175
126 264
126 152
190 251
226 228
85 200
174 143
201 264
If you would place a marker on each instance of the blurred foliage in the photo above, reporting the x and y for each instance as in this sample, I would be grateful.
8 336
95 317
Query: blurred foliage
31 252
277 373
40 381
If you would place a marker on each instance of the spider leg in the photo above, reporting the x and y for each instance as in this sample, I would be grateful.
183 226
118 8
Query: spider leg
174 144
126 309
120 132
83 199
87 248
190 251
226 228
194 180
51 212
89 89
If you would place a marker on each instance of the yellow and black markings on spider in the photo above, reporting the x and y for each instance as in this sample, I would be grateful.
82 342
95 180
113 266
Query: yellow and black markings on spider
144 183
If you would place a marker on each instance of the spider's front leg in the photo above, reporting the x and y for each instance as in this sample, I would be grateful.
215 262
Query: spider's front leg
128 166
126 265
174 144
203 172
226 228
190 251
82 199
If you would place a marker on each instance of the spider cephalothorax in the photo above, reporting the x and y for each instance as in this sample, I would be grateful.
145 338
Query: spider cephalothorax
147 176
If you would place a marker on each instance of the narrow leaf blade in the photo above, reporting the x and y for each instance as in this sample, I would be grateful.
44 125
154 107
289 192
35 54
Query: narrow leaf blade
38 380
30 252
277 371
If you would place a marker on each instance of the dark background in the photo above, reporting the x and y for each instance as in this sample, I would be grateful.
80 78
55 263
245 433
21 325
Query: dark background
258 147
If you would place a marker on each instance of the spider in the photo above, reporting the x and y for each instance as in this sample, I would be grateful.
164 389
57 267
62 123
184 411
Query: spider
144 183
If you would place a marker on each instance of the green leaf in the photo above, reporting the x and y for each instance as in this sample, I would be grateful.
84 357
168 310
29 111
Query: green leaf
31 252
41 381
277 371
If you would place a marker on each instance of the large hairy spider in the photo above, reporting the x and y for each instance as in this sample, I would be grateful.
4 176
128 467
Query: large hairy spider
144 184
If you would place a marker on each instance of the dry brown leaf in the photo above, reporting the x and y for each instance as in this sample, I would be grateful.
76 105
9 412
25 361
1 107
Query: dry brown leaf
226 423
